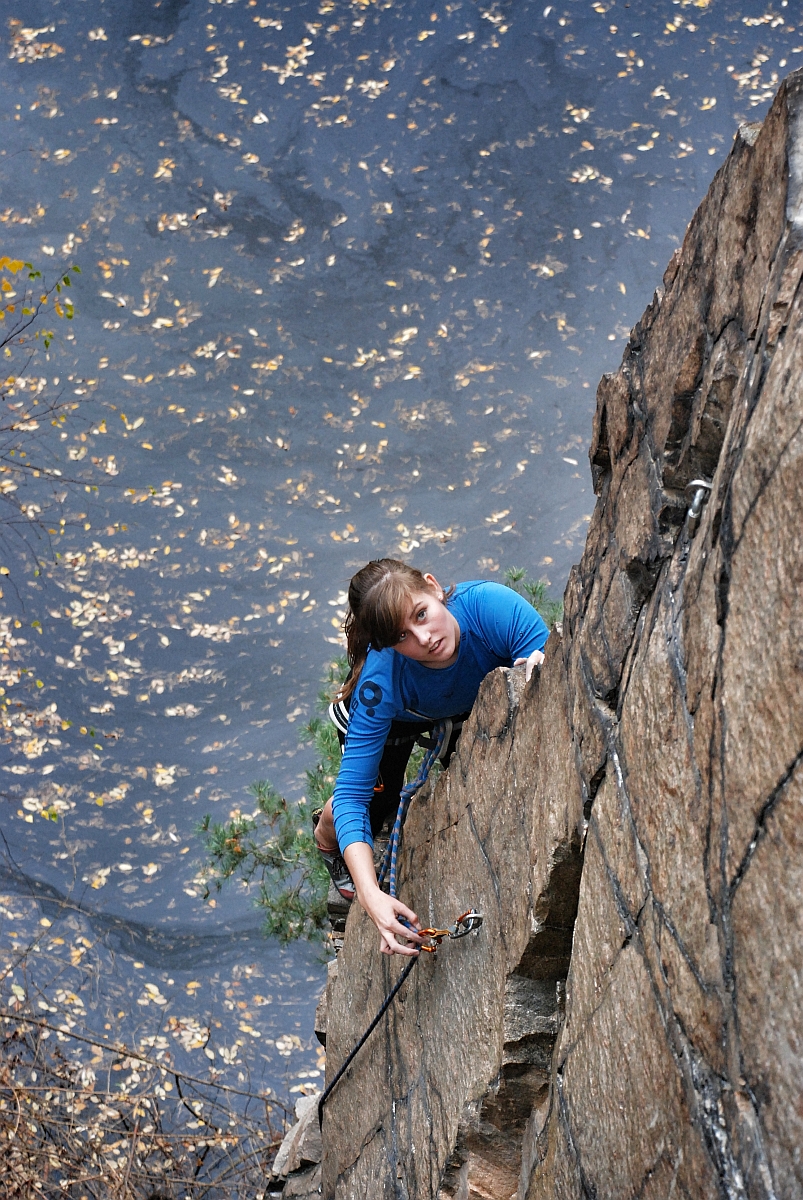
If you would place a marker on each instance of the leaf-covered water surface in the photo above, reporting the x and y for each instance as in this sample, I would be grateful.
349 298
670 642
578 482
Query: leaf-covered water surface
350 271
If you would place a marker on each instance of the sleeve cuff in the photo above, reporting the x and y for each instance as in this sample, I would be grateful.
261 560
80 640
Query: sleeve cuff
349 839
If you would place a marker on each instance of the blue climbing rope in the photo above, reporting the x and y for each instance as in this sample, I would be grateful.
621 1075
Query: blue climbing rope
407 793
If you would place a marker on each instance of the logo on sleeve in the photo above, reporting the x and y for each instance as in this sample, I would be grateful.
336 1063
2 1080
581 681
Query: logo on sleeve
371 696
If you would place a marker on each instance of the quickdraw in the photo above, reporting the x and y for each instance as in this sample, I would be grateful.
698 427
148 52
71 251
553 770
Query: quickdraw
469 922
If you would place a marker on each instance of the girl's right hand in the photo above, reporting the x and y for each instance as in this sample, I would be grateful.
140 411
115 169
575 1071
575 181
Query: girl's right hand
534 660
384 911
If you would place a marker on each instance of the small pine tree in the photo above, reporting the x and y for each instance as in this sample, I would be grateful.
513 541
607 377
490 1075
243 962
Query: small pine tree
276 846
536 592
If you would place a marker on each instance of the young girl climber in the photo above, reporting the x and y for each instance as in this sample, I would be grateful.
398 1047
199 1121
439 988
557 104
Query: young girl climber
417 655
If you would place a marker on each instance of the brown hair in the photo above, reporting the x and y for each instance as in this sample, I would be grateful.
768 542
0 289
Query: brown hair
378 606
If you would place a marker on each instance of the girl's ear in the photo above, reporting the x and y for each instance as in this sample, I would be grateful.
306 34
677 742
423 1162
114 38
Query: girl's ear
433 583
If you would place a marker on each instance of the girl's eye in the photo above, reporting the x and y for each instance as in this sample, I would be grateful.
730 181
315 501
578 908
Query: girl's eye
402 636
422 613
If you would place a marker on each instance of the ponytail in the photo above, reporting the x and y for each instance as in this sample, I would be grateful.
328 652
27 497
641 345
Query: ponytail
357 643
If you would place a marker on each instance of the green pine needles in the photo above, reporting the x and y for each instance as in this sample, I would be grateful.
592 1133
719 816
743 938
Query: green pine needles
535 592
275 848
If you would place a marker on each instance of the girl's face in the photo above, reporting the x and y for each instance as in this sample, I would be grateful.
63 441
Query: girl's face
431 635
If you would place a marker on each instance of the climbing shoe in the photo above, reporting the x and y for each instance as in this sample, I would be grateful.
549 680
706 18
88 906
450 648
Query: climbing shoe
335 864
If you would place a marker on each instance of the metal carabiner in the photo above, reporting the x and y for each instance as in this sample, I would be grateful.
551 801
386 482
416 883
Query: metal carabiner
469 922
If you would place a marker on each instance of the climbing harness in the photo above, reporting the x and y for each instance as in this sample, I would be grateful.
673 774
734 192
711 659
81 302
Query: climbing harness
468 922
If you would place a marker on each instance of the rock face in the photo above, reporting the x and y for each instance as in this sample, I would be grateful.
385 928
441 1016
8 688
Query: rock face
629 1020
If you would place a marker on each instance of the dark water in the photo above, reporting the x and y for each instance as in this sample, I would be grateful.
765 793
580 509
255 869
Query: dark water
350 274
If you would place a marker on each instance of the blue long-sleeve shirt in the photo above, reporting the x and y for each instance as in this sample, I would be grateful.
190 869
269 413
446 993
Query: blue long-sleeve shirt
497 626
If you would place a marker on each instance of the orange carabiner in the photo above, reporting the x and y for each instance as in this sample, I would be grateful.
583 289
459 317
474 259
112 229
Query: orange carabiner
437 936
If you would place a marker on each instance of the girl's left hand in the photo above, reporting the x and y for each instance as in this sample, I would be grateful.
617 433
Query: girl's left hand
534 660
